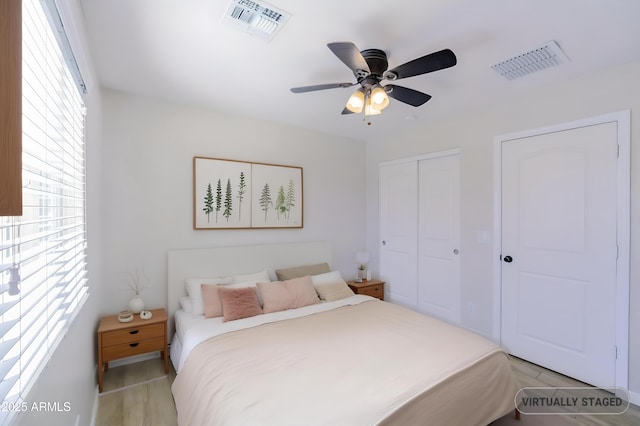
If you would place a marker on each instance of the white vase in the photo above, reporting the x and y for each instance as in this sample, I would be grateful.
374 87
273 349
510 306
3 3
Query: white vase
136 304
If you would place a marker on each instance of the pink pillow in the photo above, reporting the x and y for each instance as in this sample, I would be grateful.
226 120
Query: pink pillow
211 301
282 295
239 303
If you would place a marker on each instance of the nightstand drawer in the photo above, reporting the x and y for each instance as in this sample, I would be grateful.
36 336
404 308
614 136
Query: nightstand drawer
133 348
373 291
132 334
373 288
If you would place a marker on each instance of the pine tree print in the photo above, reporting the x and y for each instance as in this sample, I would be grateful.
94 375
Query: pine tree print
290 199
208 202
265 200
241 191
280 202
218 199
228 201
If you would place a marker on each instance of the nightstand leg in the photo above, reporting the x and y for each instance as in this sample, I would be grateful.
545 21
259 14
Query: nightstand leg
100 374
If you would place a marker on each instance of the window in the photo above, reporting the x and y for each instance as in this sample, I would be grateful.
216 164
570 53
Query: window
43 252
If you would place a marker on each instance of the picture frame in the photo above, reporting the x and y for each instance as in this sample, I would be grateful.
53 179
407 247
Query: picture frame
233 194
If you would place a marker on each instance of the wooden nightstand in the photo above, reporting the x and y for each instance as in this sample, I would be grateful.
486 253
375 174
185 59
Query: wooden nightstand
122 339
374 288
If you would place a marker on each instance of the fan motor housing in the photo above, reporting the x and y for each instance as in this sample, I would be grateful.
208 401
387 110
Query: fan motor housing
377 61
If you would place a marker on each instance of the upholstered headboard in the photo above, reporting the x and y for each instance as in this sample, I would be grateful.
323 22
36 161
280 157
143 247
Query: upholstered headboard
225 261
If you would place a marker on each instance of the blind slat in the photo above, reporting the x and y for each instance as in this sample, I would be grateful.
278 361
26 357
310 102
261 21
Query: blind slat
47 244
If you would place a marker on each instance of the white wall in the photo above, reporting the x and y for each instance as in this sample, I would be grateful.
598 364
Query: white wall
473 132
70 375
148 179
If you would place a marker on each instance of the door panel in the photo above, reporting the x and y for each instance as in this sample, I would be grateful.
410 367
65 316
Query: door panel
398 226
439 237
559 227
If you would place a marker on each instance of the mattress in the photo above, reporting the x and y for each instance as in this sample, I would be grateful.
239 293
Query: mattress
364 362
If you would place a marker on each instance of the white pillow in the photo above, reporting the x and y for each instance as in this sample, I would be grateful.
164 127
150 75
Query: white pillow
185 304
327 277
195 292
255 277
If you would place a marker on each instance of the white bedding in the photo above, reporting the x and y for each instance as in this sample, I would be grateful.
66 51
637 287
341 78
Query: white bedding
371 363
191 330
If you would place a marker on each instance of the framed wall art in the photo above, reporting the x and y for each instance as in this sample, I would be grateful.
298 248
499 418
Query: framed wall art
231 194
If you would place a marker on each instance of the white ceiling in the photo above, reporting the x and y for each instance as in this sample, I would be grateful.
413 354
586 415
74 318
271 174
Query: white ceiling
179 50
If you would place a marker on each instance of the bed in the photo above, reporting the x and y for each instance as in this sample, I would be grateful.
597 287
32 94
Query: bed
348 360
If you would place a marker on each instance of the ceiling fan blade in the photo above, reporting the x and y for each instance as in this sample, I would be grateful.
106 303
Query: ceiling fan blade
345 111
406 95
304 89
348 53
428 63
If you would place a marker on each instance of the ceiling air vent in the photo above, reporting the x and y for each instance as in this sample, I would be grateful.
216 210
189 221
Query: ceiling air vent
258 19
546 56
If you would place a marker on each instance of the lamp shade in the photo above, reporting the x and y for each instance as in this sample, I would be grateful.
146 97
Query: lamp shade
379 98
356 101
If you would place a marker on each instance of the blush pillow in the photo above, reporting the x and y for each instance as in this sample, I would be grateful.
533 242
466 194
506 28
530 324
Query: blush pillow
281 295
212 305
195 293
238 303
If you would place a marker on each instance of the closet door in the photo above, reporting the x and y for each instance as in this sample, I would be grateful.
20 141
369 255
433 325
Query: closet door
398 188
439 237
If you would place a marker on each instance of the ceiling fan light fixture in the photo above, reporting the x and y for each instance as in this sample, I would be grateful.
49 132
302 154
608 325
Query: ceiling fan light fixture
378 98
356 101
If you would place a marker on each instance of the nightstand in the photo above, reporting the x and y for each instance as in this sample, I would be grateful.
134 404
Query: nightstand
122 339
374 288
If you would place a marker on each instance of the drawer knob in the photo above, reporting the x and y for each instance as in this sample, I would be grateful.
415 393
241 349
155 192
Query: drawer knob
134 331
133 345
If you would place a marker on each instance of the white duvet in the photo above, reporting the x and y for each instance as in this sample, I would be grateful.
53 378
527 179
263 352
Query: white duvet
195 329
357 362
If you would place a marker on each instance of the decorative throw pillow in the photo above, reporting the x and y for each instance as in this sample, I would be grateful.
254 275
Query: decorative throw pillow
212 306
275 297
195 292
282 295
238 303
336 290
300 271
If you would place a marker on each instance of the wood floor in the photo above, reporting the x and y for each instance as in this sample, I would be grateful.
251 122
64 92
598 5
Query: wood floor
140 395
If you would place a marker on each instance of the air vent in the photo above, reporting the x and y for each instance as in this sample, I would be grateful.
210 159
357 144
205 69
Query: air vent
546 56
257 19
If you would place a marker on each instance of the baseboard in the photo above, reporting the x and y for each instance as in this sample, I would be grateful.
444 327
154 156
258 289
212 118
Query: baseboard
94 411
634 398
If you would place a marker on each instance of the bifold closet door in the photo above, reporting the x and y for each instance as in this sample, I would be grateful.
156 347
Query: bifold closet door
398 186
439 237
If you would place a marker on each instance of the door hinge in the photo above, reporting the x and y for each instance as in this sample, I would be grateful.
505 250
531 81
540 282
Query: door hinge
617 252
616 350
618 154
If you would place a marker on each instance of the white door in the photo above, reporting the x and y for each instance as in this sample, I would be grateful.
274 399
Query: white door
559 250
439 237
398 186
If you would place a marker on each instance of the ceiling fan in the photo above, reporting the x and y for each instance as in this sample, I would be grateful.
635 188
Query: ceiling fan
370 68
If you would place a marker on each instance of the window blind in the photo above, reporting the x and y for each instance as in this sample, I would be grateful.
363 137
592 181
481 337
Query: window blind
43 280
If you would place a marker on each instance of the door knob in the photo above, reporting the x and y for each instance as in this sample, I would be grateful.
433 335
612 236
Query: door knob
456 251
384 243
508 259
